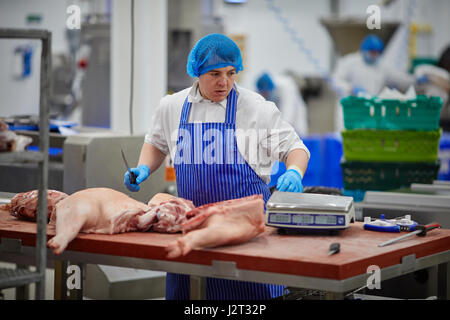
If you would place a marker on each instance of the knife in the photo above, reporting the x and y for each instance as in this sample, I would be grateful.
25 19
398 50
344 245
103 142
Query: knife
132 175
421 232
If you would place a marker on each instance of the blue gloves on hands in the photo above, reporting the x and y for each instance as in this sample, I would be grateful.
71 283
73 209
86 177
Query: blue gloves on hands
141 172
356 90
290 181
423 79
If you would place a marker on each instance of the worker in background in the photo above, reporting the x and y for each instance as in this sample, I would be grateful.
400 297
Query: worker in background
283 91
205 129
362 73
434 80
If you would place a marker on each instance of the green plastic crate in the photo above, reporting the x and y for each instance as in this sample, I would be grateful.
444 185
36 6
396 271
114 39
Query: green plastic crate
391 145
382 176
422 60
422 113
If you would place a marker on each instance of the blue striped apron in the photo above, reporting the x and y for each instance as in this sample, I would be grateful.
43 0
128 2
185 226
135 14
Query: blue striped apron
210 168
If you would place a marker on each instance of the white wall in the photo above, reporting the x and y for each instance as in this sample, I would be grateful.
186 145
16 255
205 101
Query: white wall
268 46
434 12
150 62
22 96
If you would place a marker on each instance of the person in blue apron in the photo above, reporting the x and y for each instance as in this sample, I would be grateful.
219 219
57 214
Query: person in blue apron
223 140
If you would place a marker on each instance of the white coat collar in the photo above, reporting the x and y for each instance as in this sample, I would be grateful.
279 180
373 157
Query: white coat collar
195 96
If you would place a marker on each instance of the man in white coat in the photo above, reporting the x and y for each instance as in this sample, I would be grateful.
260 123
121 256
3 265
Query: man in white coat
363 73
283 91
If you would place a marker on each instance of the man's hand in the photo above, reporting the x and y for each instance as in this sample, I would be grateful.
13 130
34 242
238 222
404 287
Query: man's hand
141 172
290 181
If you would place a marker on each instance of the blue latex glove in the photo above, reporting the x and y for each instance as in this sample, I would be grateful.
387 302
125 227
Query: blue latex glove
422 79
142 172
290 181
357 90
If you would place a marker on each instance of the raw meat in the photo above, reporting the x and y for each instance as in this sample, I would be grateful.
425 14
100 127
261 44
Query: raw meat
160 197
107 211
3 125
24 205
227 222
10 141
171 214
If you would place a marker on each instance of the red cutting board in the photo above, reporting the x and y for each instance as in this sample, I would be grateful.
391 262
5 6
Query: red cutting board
303 255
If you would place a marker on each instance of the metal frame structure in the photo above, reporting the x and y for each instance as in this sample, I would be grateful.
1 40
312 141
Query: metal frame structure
14 278
336 289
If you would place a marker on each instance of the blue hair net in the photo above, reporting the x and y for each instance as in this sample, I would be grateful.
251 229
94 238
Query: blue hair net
372 42
212 52
265 83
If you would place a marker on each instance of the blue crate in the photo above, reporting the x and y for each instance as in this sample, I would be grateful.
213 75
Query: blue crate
332 154
324 164
277 170
313 175
444 156
358 195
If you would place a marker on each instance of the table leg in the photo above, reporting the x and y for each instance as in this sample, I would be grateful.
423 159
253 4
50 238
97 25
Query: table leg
334 296
198 288
60 288
68 282
442 285
23 292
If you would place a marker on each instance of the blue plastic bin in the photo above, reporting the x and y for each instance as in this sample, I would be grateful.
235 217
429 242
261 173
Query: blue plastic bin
444 156
313 175
332 154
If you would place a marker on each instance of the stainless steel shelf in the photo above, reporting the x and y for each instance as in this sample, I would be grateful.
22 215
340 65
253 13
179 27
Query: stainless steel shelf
17 277
21 156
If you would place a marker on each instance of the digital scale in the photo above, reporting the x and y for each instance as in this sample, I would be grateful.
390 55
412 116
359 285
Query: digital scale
291 211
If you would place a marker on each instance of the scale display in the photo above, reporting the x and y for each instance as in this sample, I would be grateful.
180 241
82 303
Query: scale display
306 219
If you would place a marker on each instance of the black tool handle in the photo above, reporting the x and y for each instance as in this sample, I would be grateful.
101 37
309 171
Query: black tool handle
334 248
132 177
426 228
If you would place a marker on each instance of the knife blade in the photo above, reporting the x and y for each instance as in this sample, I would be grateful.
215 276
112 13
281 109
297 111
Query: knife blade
132 175
421 231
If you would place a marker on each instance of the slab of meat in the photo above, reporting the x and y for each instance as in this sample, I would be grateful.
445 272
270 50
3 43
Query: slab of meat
10 141
24 205
170 215
160 197
107 211
221 223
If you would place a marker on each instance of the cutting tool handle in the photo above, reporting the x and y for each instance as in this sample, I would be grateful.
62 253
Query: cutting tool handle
426 228
132 177
334 248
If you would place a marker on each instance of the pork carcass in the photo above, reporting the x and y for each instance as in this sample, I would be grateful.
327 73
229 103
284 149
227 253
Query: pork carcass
221 223
107 211
24 205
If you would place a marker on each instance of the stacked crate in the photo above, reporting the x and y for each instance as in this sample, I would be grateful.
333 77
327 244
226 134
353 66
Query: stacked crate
389 144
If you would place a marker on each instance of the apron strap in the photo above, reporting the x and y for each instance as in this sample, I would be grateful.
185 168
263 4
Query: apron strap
230 116
185 111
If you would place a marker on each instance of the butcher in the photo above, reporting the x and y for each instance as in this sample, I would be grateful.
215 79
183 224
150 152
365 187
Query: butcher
223 140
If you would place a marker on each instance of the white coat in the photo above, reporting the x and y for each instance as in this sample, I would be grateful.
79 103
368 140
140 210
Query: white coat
291 104
353 71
